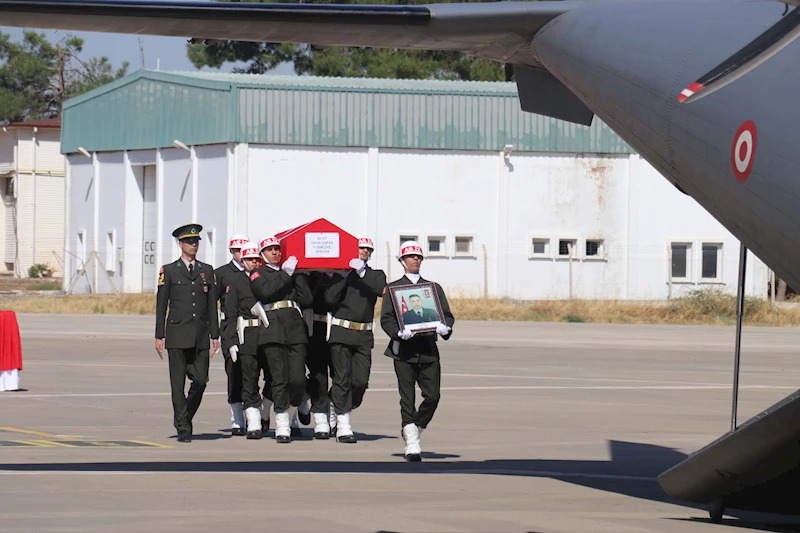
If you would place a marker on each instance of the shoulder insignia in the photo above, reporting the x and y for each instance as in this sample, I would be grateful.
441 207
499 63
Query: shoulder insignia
161 277
254 276
178 263
161 271
199 264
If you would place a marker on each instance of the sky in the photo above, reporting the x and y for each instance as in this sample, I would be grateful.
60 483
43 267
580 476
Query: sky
166 53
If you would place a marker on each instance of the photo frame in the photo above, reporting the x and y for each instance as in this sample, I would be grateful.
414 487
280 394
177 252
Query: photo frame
417 306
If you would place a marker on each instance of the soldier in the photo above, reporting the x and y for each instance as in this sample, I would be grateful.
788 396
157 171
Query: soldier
187 287
352 302
416 356
283 336
243 328
233 369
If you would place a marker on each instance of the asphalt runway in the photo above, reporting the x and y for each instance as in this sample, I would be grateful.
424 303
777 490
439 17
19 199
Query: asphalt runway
541 428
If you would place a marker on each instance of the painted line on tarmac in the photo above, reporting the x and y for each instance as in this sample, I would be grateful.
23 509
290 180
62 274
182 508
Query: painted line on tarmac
54 441
21 395
531 473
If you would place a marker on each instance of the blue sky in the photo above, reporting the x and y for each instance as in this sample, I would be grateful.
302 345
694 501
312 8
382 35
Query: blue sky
170 52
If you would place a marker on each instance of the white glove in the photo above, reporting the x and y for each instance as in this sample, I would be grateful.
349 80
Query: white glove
442 329
406 334
233 351
359 266
289 265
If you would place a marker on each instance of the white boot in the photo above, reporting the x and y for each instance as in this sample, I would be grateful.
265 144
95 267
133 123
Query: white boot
411 436
237 418
253 423
283 431
344 432
321 428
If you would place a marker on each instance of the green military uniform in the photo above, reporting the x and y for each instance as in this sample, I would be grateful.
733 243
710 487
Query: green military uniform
416 360
189 292
285 340
352 301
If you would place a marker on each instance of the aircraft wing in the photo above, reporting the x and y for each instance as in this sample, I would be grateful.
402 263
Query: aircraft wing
496 30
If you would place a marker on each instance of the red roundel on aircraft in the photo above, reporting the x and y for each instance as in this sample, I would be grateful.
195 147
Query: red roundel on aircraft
743 151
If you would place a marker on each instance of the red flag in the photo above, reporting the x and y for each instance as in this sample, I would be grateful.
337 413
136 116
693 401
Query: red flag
404 307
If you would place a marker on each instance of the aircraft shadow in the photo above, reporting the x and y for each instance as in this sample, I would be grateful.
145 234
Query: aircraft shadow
630 472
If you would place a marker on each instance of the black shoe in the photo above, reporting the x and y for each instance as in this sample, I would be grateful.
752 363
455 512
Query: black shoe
255 434
349 439
304 419
238 432
413 458
184 436
283 439
322 436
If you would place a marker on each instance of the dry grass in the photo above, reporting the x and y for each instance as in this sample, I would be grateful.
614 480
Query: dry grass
697 308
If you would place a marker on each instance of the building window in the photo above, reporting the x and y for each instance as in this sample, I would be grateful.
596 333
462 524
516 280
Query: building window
464 246
595 249
540 247
712 253
404 238
9 188
111 250
565 247
681 260
437 246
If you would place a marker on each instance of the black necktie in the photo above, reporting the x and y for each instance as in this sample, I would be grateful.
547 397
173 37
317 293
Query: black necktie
191 268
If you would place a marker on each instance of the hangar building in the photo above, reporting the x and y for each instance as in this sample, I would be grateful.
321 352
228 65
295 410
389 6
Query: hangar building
505 203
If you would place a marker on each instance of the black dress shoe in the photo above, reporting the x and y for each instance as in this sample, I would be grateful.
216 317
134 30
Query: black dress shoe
322 435
349 439
283 439
255 434
413 458
184 436
238 432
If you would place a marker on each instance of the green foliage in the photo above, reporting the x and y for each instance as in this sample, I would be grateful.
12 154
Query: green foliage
36 271
36 76
348 62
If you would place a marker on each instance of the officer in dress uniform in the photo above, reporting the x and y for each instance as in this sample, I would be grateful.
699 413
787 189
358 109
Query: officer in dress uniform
352 301
233 369
283 335
243 328
416 356
187 287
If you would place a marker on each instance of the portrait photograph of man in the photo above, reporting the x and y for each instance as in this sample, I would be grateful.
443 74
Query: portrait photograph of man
417 307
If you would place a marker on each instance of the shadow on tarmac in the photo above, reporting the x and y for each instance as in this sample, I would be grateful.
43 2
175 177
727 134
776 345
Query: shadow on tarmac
632 471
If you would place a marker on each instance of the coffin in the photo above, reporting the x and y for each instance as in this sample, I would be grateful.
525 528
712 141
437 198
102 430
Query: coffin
318 245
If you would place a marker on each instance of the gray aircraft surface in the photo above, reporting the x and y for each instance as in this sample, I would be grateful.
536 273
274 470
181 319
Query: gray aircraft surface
706 91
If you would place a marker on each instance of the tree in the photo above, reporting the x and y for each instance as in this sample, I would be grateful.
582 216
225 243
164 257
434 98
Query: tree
36 77
348 61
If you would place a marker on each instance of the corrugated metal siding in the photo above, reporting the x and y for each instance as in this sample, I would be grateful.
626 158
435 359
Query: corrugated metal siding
25 150
152 109
25 223
48 152
6 152
50 201
145 114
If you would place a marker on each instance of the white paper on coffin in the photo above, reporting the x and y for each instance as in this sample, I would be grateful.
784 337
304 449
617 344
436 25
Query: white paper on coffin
322 245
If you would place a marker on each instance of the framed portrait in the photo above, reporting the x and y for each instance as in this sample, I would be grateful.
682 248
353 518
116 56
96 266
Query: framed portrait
417 307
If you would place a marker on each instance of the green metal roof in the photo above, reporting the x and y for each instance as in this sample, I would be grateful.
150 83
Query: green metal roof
151 109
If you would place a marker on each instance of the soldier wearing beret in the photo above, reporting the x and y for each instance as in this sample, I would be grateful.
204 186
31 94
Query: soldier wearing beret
187 287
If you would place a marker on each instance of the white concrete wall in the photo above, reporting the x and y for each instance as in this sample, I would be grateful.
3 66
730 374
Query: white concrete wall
502 204
111 220
81 220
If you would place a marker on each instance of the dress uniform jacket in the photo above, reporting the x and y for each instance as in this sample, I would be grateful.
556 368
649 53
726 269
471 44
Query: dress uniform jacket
420 348
192 306
353 298
223 276
286 326
237 302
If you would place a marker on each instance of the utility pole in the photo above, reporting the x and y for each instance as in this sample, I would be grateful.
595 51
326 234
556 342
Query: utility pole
141 50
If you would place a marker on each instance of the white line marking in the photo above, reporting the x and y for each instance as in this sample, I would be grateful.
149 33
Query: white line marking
551 378
21 395
541 473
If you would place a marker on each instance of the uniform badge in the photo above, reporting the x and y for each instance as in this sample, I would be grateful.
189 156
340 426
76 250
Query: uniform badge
227 289
254 276
203 275
161 276
205 288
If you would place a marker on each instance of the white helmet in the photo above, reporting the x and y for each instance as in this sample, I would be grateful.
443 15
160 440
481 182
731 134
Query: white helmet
250 250
410 248
238 241
268 241
366 242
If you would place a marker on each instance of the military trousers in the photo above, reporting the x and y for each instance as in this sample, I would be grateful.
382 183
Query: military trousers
318 362
234 372
193 364
287 365
253 366
351 368
429 378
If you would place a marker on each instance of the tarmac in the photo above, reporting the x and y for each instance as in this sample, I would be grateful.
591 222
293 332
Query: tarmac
541 428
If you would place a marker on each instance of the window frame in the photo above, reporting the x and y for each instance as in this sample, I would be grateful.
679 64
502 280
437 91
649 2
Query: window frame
690 267
602 254
548 252
444 251
719 245
471 253
576 255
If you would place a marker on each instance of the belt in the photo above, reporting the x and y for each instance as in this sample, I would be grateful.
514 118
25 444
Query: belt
359 326
321 318
250 322
283 304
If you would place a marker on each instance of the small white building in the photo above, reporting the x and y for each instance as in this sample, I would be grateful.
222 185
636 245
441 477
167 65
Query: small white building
32 189
506 203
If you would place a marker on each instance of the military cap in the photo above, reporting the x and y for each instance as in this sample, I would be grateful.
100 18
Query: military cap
187 231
